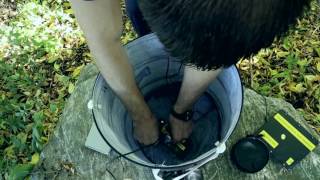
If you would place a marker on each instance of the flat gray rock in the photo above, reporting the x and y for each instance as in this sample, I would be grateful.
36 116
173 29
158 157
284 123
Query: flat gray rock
66 157
252 118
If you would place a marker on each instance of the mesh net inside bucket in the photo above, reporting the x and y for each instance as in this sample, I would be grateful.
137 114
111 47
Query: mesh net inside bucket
158 77
206 126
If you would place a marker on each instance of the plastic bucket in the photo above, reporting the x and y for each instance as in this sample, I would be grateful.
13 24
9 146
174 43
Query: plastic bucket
150 62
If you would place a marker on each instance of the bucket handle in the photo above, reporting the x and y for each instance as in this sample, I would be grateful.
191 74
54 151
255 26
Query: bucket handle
220 149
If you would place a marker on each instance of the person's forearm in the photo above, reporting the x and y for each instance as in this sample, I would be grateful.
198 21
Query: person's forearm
115 68
194 84
101 22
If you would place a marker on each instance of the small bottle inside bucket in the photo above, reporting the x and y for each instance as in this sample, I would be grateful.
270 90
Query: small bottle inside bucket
180 149
206 128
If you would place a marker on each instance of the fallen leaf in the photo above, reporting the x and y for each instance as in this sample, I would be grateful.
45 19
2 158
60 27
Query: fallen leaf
318 51
312 78
35 159
282 54
297 88
76 71
71 88
9 152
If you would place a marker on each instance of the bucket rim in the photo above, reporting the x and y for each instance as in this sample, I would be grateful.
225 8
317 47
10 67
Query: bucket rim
155 166
188 164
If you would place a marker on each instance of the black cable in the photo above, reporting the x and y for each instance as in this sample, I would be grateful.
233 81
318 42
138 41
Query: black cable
180 69
111 161
167 71
138 149
126 154
111 174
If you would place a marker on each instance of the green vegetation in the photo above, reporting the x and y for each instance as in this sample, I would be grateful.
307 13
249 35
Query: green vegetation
42 52
290 68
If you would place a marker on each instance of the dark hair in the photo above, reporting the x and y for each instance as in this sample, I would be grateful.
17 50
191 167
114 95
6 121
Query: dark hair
212 33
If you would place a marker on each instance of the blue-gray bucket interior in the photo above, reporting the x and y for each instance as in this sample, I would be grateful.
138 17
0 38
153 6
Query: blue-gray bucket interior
153 67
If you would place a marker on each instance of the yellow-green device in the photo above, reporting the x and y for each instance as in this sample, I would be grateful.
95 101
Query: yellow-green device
287 141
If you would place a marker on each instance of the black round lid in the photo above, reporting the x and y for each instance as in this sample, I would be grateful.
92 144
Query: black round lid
250 154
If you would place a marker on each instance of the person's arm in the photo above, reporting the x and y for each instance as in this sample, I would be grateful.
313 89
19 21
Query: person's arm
101 22
194 84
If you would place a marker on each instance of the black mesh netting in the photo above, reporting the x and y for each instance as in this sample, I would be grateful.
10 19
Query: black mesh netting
206 119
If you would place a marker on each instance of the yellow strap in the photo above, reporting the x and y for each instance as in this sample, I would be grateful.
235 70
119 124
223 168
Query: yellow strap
290 161
181 146
269 139
297 134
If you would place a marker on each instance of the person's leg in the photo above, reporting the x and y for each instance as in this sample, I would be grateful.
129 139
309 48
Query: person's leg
194 84
136 17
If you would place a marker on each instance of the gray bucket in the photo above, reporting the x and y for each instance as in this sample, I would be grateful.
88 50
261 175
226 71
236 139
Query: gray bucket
150 63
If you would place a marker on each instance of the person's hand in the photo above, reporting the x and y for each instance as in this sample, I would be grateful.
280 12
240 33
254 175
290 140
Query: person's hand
146 130
180 129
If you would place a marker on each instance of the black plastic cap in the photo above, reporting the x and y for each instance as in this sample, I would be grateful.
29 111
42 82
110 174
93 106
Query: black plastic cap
250 154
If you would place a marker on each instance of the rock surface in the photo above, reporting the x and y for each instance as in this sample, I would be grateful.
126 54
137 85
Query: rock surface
66 157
